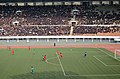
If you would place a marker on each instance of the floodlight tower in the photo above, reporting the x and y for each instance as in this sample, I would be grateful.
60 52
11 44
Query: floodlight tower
74 13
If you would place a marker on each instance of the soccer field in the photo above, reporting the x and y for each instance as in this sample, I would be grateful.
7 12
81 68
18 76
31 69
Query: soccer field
98 64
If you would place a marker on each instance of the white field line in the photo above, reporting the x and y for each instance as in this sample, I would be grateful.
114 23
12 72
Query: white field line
100 60
107 53
102 75
113 65
103 62
61 65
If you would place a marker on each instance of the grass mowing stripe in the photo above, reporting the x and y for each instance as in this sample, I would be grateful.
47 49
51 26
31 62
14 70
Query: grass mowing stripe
51 62
61 65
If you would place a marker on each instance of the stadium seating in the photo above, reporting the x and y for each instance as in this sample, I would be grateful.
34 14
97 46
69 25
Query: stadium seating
58 15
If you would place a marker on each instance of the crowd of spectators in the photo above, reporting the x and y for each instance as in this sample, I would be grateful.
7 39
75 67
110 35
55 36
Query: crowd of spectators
57 15
34 30
55 30
96 29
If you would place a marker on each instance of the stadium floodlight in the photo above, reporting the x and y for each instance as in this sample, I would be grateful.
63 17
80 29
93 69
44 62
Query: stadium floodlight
117 54
75 12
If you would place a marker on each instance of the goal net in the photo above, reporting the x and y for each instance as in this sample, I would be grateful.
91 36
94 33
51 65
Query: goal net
117 53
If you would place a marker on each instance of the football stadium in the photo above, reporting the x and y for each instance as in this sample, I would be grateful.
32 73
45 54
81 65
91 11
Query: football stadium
59 39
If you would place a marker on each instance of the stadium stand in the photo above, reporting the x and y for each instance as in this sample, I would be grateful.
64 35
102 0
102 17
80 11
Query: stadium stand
40 20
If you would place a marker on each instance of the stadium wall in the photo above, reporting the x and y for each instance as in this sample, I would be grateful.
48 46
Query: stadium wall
59 40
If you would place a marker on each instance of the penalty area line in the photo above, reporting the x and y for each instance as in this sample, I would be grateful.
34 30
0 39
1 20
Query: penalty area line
99 60
107 53
103 62
102 75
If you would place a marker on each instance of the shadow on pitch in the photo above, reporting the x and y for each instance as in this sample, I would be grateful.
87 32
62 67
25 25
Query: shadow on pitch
46 75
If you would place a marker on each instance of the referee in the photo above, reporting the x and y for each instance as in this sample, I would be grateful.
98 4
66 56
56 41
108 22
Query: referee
85 54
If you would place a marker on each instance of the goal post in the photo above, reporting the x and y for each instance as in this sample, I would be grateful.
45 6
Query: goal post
117 53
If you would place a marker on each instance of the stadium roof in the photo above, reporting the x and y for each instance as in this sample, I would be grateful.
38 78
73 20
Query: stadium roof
48 0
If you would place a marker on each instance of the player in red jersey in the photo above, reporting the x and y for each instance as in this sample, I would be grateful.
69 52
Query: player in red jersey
45 57
12 51
61 55
29 48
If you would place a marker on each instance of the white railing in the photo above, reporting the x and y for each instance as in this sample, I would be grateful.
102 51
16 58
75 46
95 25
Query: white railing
19 37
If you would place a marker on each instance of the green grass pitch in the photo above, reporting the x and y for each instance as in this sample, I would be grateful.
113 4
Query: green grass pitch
98 64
